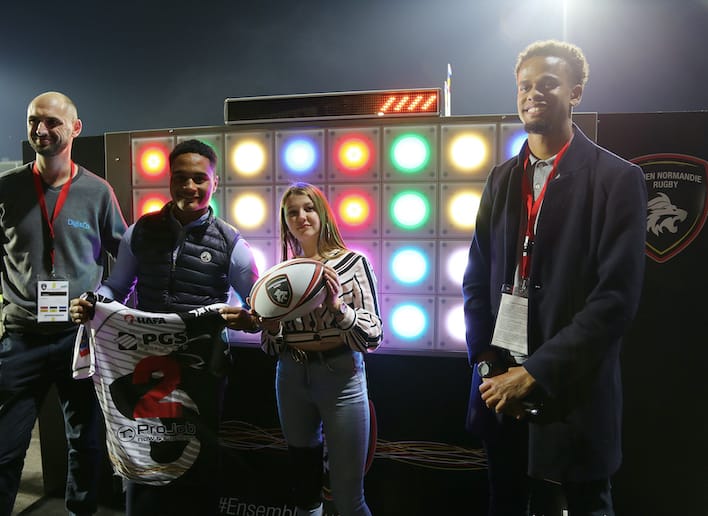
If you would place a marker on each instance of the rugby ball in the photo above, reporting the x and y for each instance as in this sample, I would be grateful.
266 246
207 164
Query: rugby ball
289 290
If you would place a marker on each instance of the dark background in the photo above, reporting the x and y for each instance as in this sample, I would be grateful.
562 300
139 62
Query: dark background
148 64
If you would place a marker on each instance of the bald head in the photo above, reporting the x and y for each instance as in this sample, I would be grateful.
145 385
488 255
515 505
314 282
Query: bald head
57 99
52 124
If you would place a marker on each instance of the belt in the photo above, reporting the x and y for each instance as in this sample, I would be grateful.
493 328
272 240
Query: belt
302 356
307 336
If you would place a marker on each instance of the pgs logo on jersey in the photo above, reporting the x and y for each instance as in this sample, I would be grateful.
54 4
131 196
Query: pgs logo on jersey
131 342
677 202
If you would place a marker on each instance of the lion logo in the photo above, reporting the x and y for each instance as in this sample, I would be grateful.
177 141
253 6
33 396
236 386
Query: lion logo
279 290
662 215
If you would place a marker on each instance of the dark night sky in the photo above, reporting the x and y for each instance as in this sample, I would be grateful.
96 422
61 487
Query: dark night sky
137 65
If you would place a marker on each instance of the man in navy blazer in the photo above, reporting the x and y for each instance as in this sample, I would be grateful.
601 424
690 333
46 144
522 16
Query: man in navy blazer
556 267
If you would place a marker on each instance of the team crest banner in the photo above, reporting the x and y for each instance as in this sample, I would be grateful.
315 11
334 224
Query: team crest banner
677 202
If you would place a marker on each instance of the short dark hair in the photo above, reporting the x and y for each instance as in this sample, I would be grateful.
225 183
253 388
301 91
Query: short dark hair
571 54
195 147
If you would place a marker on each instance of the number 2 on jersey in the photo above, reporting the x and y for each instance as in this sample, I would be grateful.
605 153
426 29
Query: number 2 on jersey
150 404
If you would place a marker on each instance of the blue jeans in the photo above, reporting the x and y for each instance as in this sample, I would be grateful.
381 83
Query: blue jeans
330 395
29 364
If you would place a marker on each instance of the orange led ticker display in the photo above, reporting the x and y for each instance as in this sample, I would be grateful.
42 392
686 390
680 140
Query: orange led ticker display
322 106
420 103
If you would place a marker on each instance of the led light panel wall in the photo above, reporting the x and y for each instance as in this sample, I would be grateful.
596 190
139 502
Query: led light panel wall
299 156
148 200
452 257
513 137
248 157
469 151
458 205
150 161
450 319
409 322
410 153
356 207
353 155
251 209
405 193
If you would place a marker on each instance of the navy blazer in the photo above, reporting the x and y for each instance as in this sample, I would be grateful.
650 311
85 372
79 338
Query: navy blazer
584 286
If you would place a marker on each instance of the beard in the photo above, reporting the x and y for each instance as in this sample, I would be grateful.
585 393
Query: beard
48 150
538 127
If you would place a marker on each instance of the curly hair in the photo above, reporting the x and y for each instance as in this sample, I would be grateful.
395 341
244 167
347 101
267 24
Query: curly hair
329 243
570 53
193 147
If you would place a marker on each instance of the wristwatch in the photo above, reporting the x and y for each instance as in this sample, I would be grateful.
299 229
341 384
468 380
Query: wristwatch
485 368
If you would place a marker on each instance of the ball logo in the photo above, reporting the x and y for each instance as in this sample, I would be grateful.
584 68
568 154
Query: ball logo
279 290
205 257
677 203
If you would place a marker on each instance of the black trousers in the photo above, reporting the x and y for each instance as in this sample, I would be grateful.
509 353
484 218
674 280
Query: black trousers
29 365
195 492
513 493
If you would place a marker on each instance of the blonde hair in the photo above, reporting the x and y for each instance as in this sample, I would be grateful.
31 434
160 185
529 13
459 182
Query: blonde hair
329 243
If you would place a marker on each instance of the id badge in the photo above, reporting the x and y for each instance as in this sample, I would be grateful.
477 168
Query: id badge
52 301
511 327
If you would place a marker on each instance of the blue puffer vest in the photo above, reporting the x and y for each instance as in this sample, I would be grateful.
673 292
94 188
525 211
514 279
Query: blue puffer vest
198 276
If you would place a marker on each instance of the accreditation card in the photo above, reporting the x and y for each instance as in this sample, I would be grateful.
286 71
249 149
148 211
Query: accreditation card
52 301
510 331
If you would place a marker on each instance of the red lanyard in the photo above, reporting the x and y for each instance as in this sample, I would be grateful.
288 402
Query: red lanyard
532 209
57 208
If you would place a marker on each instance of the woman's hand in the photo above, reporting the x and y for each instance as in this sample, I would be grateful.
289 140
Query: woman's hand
334 289
271 326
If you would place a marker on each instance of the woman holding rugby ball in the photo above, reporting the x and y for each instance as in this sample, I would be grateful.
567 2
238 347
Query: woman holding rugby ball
320 376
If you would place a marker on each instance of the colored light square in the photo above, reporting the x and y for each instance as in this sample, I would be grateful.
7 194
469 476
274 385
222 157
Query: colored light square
249 157
468 152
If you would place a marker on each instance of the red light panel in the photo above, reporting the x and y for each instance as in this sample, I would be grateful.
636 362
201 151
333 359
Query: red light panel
148 201
356 208
150 157
353 154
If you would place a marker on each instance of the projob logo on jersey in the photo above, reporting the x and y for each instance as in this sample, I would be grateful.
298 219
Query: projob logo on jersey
677 202
157 432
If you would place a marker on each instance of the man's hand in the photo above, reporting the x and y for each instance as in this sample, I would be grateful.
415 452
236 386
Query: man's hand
79 310
504 392
238 318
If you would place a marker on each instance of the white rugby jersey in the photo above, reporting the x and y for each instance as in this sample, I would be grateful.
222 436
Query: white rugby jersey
146 368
